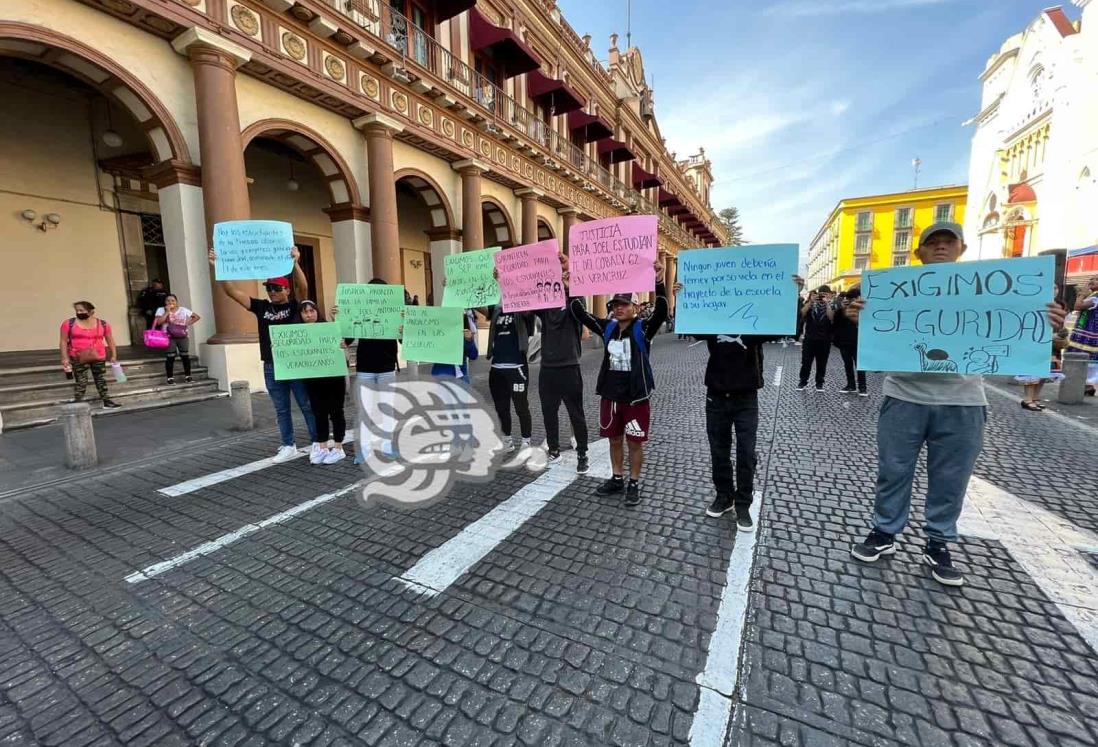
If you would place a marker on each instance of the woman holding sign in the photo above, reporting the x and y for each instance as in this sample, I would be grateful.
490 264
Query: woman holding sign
326 396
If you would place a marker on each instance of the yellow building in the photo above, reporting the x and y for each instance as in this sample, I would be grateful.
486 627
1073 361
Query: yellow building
879 231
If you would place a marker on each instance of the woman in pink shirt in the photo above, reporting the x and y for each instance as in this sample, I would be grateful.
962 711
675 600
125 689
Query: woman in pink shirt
85 343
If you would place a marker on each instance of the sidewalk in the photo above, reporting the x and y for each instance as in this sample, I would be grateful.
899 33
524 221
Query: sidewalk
36 456
1086 414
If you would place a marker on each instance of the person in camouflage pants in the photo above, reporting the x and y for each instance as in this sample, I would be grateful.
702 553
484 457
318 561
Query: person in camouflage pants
98 370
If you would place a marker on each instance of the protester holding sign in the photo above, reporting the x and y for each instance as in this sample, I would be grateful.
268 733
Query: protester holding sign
625 380
530 277
326 395
946 410
278 308
612 255
509 376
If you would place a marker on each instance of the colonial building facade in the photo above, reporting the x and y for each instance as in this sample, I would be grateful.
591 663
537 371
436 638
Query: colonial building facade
1033 174
876 232
389 133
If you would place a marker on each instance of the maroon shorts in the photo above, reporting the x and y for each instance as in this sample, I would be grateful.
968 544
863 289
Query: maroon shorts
621 418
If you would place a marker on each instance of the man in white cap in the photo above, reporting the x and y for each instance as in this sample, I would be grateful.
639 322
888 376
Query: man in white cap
945 411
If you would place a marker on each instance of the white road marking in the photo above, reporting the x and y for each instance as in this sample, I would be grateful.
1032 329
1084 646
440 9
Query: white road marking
699 342
215 478
722 663
1048 547
441 567
1059 417
778 376
225 540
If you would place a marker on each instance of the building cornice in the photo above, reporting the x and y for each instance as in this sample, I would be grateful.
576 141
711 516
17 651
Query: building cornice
1000 60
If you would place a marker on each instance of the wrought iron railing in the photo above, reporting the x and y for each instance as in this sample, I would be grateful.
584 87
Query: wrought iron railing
418 47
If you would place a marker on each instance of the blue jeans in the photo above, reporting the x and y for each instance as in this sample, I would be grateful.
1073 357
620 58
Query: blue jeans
953 436
279 392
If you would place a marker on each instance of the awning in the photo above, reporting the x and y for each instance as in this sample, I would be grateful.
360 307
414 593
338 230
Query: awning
555 95
449 8
1083 252
676 210
506 49
616 150
667 199
589 127
644 179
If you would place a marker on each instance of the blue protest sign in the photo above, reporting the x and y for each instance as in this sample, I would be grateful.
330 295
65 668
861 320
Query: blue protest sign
253 249
964 317
737 290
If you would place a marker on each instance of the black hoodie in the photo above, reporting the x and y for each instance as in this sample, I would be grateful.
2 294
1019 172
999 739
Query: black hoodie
560 337
735 363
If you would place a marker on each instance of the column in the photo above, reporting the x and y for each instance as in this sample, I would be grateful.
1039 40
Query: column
179 192
472 221
351 243
669 277
443 241
384 232
568 219
214 61
529 198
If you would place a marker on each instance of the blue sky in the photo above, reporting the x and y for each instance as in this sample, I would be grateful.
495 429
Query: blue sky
800 103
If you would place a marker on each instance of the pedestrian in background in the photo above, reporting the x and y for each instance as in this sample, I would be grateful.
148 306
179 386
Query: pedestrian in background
1084 337
150 299
87 343
946 412
326 396
177 321
845 337
278 308
818 315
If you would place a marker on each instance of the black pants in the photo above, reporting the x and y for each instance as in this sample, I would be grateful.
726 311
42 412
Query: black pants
849 353
326 396
817 351
554 386
509 385
722 414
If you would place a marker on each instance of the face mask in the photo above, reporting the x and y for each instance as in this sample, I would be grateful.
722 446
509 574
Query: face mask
82 315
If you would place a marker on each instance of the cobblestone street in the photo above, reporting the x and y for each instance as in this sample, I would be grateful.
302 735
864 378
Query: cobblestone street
589 624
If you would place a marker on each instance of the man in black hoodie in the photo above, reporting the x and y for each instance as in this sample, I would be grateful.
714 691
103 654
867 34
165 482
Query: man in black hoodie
819 316
625 381
846 340
560 380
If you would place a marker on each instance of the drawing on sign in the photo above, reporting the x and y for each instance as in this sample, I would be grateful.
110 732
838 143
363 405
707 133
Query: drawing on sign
530 277
252 249
742 290
372 311
972 317
470 279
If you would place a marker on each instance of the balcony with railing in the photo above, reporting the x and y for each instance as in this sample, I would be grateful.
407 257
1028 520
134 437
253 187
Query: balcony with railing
420 52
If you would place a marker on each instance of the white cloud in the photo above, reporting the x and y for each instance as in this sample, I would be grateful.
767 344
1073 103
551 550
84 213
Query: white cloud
838 108
836 7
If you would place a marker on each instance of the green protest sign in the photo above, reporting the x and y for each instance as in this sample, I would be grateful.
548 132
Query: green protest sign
370 311
307 351
470 279
434 334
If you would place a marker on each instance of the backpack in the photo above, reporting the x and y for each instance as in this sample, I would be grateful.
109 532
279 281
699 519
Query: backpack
88 355
638 334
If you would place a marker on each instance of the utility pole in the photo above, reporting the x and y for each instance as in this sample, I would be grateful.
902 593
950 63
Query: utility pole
917 164
628 24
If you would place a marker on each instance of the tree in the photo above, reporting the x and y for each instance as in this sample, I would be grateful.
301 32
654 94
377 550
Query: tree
730 217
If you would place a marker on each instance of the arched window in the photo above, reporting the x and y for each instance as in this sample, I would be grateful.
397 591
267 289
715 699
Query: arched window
1037 82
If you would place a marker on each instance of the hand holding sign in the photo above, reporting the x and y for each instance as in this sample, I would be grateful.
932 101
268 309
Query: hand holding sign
370 311
253 249
469 280
530 277
614 255
307 351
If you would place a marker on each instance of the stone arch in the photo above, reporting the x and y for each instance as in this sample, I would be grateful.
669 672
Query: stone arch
314 148
498 228
545 231
100 72
433 196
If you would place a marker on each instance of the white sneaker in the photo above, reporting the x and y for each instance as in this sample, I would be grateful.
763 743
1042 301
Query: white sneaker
525 444
335 455
285 454
317 454
509 445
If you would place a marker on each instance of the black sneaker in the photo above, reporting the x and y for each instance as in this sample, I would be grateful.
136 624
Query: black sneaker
802 386
582 465
863 393
188 379
744 522
876 544
721 505
632 494
611 486
848 390
554 457
819 387
937 557
170 381
110 404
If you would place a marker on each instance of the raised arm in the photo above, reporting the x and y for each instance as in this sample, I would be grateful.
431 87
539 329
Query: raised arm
576 306
300 283
661 309
229 287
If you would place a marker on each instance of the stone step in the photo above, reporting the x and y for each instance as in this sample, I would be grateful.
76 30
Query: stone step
56 386
14 376
43 411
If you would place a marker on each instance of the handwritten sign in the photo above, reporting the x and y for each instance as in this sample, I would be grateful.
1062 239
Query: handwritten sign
370 311
307 351
738 290
613 255
434 334
530 277
253 249
964 318
470 282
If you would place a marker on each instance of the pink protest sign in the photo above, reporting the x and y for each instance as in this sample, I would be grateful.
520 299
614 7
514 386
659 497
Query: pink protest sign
530 277
612 255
